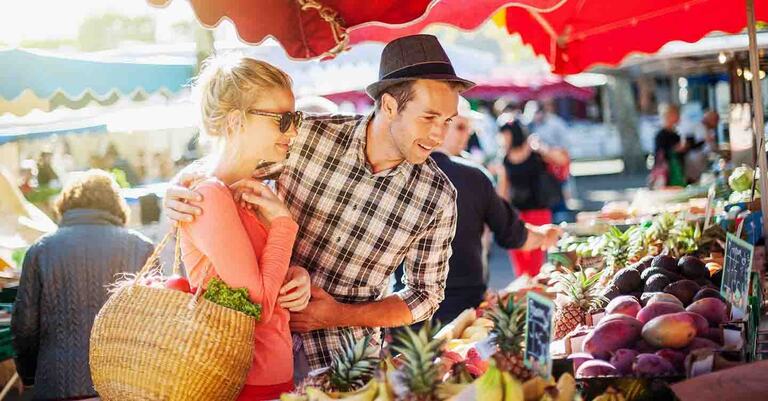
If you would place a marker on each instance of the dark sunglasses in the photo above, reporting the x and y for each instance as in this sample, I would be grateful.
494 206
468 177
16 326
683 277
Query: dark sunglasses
284 119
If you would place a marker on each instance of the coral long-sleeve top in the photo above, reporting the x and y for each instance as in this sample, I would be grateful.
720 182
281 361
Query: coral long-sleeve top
245 254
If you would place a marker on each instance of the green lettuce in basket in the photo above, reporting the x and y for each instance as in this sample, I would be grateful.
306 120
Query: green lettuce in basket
220 293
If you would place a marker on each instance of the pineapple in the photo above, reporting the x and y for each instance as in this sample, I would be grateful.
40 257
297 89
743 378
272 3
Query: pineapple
684 239
351 369
418 376
581 294
659 232
509 328
621 248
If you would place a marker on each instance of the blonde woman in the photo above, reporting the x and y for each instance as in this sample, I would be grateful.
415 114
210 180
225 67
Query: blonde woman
247 106
63 286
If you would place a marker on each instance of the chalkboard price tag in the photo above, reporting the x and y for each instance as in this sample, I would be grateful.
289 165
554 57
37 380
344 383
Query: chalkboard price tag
538 335
736 273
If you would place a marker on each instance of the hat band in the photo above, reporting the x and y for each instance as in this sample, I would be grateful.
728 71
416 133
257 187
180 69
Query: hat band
417 70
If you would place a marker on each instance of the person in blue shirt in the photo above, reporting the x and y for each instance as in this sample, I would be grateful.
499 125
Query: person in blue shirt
478 206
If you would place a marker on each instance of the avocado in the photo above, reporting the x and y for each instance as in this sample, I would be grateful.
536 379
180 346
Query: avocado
628 280
610 292
717 278
645 263
665 262
656 283
692 267
704 282
684 290
658 270
708 293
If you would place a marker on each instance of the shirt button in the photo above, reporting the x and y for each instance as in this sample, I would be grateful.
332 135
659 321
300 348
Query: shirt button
354 207
338 239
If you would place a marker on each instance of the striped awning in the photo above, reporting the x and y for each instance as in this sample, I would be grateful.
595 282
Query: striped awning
39 80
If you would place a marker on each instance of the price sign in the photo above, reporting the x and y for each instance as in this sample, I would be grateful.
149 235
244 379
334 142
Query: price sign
538 322
736 273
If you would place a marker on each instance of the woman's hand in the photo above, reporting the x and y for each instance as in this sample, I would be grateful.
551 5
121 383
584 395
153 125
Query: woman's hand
178 199
260 198
295 292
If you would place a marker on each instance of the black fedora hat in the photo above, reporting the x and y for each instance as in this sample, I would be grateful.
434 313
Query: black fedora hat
414 57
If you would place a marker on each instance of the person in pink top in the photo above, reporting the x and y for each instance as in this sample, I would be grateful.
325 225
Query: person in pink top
247 106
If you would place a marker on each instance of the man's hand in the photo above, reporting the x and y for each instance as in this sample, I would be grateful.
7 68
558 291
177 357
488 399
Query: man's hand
177 198
551 234
322 312
296 291
541 237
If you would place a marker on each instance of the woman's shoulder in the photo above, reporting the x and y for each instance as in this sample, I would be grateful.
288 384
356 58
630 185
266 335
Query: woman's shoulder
212 190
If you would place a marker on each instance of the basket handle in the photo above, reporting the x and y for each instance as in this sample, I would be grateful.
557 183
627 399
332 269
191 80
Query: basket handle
153 258
176 263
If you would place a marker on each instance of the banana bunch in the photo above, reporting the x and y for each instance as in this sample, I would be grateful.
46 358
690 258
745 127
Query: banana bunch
375 390
540 389
610 394
496 385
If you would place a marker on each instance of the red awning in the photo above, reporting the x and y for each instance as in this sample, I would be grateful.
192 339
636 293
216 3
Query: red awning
318 28
305 28
458 13
575 35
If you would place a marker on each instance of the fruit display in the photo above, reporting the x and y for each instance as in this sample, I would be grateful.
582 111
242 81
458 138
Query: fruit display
509 337
350 370
635 304
652 341
740 181
579 296
426 366
686 279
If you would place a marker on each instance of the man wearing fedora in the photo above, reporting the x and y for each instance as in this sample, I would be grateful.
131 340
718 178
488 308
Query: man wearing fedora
367 198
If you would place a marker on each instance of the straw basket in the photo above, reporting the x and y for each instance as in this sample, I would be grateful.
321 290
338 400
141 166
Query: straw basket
160 344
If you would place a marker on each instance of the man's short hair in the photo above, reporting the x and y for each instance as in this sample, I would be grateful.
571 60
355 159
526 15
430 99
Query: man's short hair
403 92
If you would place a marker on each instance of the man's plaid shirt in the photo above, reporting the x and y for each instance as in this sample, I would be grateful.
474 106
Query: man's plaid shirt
356 227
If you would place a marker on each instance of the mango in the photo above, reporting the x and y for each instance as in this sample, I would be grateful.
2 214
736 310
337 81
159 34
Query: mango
625 305
623 359
655 309
713 309
610 336
675 357
654 297
578 358
699 343
595 368
675 330
701 323
652 365
623 318
714 333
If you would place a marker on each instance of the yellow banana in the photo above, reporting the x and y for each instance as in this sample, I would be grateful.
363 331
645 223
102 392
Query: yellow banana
385 392
566 387
534 388
513 390
293 397
314 394
610 394
490 386
366 393
446 391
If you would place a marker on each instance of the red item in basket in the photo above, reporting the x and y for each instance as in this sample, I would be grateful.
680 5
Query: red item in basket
259 393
